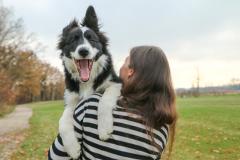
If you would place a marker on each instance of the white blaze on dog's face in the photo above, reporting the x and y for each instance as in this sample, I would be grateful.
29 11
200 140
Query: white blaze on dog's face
81 48
86 53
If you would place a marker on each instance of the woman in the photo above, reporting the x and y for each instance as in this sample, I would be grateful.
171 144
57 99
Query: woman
143 120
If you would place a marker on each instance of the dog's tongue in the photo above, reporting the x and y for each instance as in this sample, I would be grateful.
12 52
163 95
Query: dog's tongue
84 70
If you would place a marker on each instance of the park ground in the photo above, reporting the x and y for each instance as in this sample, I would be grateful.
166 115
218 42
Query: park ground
208 128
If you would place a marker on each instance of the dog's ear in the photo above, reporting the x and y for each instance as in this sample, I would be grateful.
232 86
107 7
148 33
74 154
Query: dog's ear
90 20
65 31
70 26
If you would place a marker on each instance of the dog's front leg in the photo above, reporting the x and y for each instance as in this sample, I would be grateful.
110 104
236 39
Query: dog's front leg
106 105
66 129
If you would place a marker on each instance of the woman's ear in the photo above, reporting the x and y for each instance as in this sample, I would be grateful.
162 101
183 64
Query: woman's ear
130 72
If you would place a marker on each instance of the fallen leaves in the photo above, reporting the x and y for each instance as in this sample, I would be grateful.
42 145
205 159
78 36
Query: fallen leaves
10 142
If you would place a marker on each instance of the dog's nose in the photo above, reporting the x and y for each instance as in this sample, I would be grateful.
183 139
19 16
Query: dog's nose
83 52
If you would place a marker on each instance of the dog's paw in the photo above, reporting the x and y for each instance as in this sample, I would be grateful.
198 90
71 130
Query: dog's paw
73 149
105 111
105 126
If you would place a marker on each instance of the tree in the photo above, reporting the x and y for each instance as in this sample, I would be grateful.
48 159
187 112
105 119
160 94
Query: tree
27 76
24 77
52 83
6 94
196 84
11 30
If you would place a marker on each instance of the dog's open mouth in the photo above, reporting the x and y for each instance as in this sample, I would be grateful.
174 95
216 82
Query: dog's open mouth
84 67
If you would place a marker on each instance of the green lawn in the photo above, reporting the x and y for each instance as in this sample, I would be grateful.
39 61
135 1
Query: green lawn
43 130
208 128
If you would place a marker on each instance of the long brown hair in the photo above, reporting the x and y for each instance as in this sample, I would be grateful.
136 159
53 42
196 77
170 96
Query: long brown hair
150 91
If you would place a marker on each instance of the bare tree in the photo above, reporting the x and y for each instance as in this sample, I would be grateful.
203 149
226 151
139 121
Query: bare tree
196 84
11 30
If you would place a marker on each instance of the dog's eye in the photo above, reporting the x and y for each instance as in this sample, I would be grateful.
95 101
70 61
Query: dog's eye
88 36
76 37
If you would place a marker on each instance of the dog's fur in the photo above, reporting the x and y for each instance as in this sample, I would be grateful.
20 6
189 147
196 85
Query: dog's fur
78 42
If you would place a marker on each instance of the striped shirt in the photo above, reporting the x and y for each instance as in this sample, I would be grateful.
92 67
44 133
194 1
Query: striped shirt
129 140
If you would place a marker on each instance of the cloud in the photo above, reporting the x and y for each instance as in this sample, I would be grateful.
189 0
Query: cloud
192 33
212 72
222 44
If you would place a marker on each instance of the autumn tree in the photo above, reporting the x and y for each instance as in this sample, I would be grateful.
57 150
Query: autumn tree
52 83
24 77
27 77
7 94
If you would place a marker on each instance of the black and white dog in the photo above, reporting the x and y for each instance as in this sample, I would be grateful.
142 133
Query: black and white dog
88 68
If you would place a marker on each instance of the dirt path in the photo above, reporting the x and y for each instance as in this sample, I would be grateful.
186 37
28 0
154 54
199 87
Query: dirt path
11 127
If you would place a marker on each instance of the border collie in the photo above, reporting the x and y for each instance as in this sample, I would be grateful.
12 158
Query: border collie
88 68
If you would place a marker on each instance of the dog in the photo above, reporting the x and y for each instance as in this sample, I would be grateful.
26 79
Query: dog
88 68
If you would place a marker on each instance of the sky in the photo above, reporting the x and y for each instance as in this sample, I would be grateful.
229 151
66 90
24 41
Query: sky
199 37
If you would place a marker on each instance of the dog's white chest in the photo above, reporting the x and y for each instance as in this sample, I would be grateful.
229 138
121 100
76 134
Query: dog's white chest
85 89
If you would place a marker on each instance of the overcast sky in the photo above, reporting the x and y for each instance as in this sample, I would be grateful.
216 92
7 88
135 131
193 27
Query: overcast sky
195 35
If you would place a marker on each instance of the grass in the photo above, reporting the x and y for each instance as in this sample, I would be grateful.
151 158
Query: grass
208 128
43 130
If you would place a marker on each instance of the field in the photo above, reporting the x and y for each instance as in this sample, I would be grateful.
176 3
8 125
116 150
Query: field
208 128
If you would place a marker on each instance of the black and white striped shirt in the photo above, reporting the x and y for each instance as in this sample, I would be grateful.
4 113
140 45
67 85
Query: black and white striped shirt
129 140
